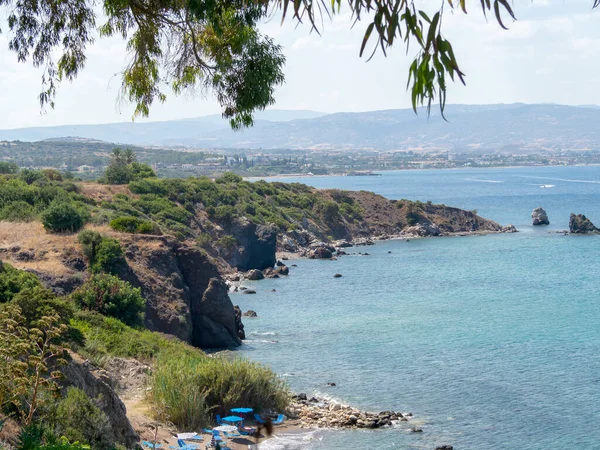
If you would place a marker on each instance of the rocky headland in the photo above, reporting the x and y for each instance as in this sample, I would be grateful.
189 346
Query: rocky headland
183 279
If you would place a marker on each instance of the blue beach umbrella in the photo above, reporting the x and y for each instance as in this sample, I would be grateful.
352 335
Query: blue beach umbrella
242 410
232 419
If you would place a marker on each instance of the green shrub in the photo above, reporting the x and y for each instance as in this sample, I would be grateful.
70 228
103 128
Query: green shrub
13 281
89 240
111 296
52 174
37 302
8 168
139 171
176 214
18 211
224 213
38 437
60 217
148 186
186 388
227 242
129 224
109 256
30 176
229 177
80 420
118 174
204 239
106 337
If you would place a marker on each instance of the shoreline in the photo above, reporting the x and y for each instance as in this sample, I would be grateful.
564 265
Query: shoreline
380 171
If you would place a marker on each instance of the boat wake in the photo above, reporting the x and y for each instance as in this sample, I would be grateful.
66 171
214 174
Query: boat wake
483 181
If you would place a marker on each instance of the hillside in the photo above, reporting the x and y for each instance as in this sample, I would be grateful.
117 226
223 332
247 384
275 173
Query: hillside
515 128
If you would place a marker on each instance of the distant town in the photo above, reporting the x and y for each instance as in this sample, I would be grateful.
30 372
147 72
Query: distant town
87 159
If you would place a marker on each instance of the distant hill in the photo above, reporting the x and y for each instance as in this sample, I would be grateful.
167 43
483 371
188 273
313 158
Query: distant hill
470 128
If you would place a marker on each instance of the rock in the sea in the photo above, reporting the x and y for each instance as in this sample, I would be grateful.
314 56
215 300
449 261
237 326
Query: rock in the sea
539 217
444 447
249 291
323 252
254 275
331 383
337 275
250 313
238 322
579 224
510 228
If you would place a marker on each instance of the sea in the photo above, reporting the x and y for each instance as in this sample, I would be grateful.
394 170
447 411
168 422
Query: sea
491 342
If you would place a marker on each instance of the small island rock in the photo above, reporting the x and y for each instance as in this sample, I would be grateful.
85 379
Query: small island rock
510 228
337 275
250 313
254 275
579 224
249 291
539 217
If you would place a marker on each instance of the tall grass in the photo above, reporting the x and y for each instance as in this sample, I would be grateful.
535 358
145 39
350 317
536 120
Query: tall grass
187 391
188 387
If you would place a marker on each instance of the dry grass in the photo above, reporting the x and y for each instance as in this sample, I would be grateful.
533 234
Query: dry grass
102 192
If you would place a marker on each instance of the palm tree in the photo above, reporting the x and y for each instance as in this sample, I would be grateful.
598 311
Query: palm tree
129 156
117 157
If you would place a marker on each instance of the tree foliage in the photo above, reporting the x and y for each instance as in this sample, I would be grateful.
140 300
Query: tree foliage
109 295
26 358
63 216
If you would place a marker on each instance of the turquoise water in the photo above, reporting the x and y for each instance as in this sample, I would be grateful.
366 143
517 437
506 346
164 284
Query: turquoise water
490 341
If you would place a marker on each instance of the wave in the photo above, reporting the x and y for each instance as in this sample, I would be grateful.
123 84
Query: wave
264 333
292 441
483 181
569 180
548 185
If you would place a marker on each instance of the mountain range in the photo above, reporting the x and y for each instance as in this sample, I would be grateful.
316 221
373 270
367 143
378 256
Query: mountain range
514 128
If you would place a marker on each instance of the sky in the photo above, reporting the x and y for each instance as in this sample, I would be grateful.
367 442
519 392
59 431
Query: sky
550 54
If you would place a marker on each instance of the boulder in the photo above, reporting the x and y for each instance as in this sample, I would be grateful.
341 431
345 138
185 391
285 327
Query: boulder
539 217
249 291
510 228
320 250
579 224
254 275
214 318
337 275
444 447
283 270
250 313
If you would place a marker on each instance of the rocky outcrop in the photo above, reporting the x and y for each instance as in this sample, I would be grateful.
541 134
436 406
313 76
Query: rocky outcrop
510 228
250 313
539 217
256 245
579 224
97 385
424 229
322 413
214 318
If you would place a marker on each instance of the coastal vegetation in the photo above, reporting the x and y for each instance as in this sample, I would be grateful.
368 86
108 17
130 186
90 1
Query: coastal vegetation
127 259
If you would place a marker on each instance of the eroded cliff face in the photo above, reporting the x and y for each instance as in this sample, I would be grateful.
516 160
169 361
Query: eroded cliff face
184 292
256 245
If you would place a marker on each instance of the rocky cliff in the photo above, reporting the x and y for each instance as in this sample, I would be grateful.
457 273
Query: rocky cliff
183 288
579 224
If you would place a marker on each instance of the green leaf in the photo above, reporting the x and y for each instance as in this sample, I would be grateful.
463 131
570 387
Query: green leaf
366 38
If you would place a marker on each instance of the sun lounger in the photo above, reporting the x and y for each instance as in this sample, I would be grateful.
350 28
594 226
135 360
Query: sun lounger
279 420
